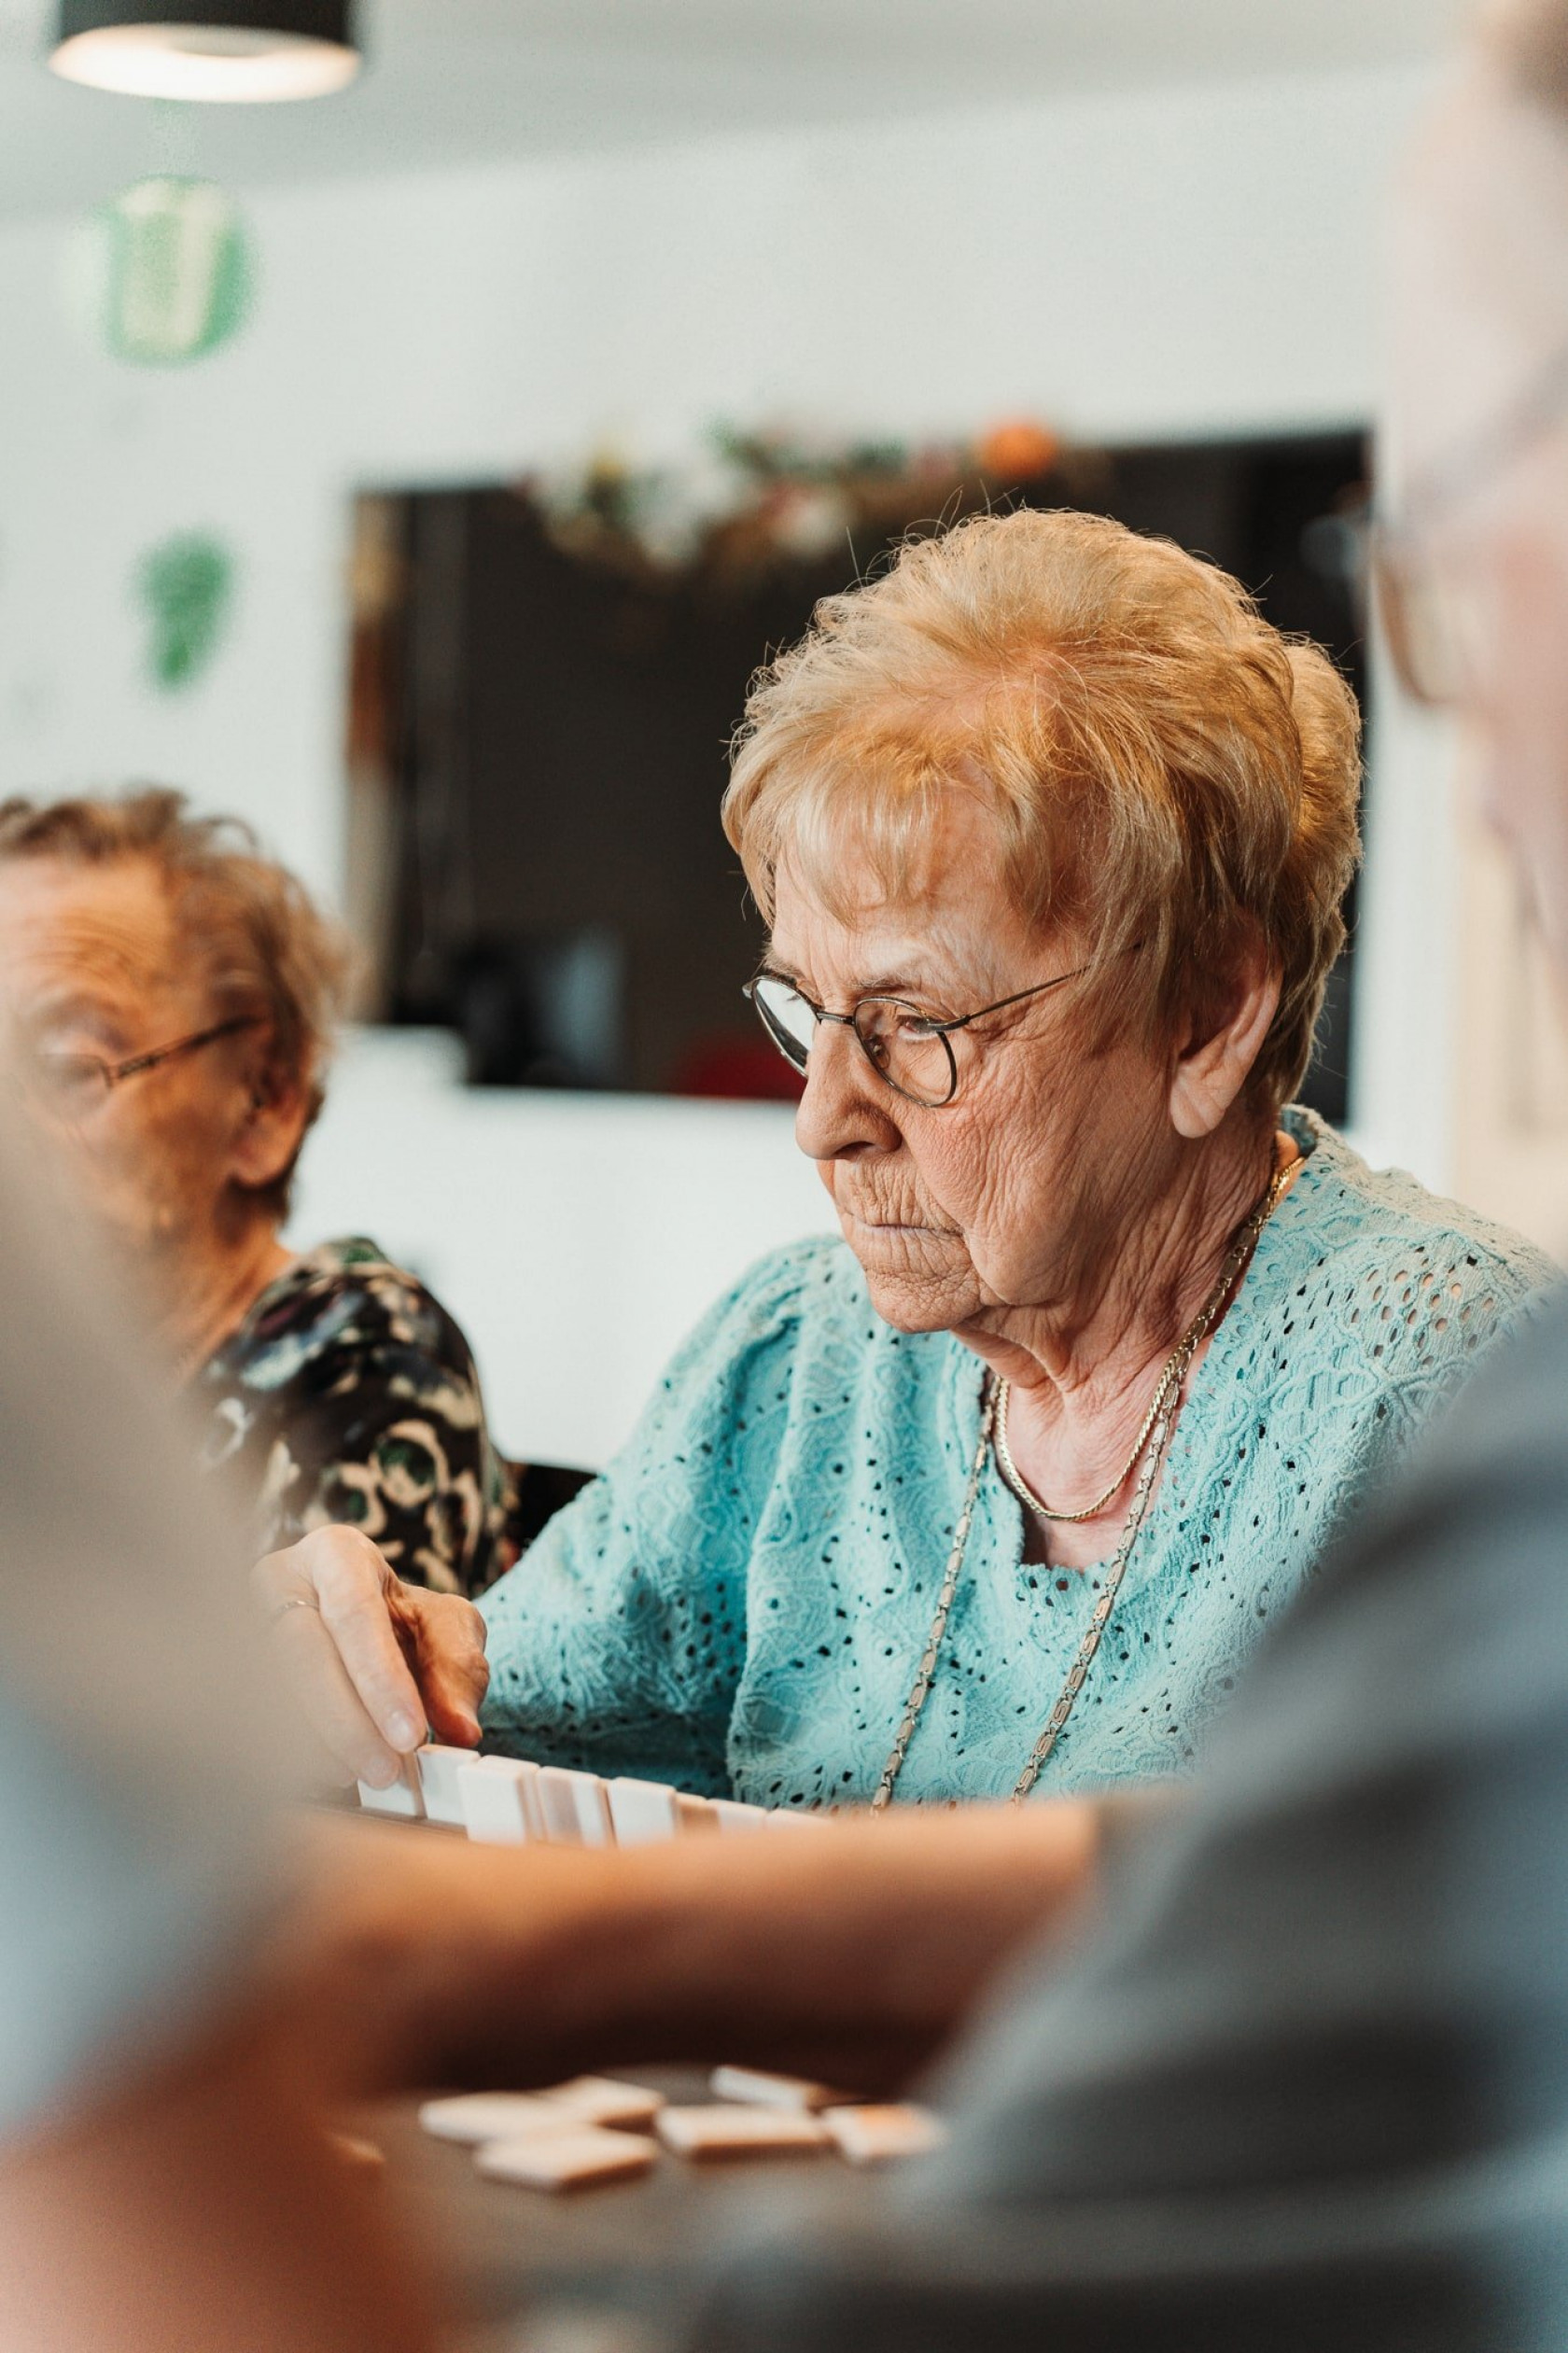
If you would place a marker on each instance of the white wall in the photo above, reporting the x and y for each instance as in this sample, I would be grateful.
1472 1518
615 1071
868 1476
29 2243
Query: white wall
1157 264
576 1237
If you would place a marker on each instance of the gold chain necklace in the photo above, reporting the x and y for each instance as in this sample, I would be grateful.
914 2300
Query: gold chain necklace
1154 1438
1037 1504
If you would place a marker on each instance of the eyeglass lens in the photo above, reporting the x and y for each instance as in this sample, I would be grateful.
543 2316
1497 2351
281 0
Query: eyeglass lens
898 1041
910 1054
67 1085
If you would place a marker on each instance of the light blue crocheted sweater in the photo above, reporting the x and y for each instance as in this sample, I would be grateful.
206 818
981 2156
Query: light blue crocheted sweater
741 1601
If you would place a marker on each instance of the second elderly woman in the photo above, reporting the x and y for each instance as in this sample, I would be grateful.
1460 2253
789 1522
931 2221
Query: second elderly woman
996 1493
172 993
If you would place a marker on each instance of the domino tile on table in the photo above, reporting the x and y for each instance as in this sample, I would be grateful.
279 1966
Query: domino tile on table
404 1799
875 2136
711 2134
500 1802
574 1807
736 1820
587 2100
753 2087
644 1812
599 2099
477 2117
439 1770
567 2161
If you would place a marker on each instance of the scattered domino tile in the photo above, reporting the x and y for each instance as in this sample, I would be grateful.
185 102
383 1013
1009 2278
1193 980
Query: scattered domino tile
872 2136
567 2161
439 1769
643 1811
404 1796
499 1798
598 2099
484 2116
711 2134
752 2086
693 1814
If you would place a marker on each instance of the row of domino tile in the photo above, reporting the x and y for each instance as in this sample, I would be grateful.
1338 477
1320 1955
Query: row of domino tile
508 1801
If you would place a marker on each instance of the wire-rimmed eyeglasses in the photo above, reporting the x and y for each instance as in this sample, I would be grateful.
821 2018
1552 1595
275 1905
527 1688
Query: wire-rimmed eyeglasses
73 1085
908 1048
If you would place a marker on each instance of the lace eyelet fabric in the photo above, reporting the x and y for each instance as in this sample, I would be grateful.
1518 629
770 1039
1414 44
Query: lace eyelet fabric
740 1602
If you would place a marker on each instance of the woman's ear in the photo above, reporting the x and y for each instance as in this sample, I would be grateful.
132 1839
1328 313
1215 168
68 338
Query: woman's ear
270 1134
1214 1062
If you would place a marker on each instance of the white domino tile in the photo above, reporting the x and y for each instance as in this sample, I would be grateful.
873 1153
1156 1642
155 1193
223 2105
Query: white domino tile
567 2161
482 2116
599 2099
693 1816
736 1820
721 2132
575 1808
761 2090
499 1798
644 1812
875 2136
439 1769
404 1799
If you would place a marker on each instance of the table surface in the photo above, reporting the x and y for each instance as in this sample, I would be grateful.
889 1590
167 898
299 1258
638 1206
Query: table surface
614 2246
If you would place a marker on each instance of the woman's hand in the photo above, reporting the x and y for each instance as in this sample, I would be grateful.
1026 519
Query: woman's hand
372 1660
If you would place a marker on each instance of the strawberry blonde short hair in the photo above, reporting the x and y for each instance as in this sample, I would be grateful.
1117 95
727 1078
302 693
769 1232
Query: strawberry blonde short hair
268 947
1162 769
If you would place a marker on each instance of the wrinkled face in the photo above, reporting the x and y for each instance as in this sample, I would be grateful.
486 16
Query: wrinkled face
1480 310
91 962
1006 1198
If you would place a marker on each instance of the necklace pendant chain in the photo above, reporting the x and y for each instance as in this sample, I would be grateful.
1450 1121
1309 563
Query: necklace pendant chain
1152 1441
1168 1384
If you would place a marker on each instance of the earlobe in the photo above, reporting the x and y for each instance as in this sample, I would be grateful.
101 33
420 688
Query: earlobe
1211 1070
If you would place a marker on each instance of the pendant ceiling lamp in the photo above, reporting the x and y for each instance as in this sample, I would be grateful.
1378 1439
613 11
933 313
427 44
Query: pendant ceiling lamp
243 50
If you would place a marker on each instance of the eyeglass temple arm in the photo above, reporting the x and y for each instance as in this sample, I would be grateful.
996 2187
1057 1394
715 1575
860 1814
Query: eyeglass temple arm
944 1028
182 1045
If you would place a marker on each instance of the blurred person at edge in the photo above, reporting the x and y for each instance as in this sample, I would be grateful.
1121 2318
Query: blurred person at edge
1305 2084
166 2182
174 995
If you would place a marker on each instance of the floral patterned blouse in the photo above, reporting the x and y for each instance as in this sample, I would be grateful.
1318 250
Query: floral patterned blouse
349 1394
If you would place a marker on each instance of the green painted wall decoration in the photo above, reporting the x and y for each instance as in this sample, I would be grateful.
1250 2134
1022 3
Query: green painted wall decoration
164 272
184 586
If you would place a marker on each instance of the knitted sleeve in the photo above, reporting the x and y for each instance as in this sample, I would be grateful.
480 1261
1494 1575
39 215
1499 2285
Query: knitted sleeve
619 1642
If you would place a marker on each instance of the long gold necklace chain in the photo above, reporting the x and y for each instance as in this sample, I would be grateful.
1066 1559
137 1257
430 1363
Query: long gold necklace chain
1157 1436
1175 1369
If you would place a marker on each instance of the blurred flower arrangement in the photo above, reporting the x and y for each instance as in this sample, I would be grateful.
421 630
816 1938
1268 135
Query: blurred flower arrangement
751 503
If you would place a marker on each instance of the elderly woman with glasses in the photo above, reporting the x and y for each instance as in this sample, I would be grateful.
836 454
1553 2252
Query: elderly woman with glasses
996 1493
172 996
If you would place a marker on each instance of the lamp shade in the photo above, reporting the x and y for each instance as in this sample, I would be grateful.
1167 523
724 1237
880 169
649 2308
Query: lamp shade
243 50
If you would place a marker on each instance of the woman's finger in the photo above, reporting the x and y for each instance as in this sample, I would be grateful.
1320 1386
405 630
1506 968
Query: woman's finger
339 1573
339 1729
356 1596
454 1674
